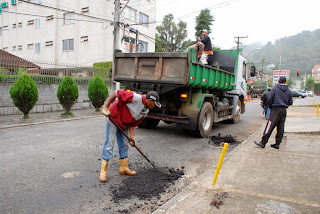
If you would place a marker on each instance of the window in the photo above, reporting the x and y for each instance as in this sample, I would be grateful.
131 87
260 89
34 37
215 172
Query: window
31 22
49 17
131 13
49 43
83 38
14 48
85 10
143 46
13 2
20 47
20 24
68 18
68 45
244 71
5 27
37 47
37 23
30 46
5 48
14 25
143 18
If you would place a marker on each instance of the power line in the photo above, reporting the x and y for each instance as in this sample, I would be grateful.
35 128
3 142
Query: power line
60 9
27 14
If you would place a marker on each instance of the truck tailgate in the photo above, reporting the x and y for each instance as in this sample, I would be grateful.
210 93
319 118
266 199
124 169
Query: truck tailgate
165 68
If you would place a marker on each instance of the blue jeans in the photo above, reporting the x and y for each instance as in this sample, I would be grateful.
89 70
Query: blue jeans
267 112
112 135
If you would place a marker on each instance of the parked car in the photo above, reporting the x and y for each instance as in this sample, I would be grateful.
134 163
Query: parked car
297 94
307 93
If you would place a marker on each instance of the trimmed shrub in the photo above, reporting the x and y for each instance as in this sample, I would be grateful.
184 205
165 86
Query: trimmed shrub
97 92
67 94
24 94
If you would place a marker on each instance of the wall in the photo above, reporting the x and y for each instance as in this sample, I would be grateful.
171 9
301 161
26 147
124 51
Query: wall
47 101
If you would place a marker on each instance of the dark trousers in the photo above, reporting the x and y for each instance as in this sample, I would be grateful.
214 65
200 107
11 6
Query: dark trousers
277 119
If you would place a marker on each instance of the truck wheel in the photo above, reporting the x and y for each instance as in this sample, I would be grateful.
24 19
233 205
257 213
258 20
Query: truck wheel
237 115
205 120
149 123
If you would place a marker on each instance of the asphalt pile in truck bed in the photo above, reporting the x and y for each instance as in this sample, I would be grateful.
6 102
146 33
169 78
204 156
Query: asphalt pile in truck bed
217 140
148 183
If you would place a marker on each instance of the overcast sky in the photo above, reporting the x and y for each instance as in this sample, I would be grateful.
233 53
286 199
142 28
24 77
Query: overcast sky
260 20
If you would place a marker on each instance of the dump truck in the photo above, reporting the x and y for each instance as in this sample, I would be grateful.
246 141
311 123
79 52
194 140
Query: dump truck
191 94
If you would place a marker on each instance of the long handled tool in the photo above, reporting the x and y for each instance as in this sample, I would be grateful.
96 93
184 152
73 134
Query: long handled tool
135 146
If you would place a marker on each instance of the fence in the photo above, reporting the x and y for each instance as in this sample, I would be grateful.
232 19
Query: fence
49 72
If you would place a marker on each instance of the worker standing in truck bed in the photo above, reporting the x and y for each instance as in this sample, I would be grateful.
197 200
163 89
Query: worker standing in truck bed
207 47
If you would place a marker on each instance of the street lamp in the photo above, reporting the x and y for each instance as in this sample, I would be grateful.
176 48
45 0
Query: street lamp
252 51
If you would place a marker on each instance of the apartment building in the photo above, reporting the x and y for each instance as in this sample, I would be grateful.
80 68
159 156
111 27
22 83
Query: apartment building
316 72
73 31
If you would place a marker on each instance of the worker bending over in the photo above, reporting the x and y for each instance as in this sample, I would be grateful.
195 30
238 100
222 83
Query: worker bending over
127 111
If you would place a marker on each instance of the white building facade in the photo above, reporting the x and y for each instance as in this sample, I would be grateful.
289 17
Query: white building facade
74 31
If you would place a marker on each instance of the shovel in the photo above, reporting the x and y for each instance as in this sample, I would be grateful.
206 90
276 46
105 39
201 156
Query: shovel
162 170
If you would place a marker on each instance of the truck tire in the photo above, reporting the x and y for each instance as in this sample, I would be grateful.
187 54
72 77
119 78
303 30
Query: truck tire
237 115
149 123
205 120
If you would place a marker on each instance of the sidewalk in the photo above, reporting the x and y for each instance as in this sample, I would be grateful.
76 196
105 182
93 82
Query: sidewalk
9 121
255 180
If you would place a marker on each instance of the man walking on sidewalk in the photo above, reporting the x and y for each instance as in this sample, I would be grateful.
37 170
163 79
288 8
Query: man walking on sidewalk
279 99
127 111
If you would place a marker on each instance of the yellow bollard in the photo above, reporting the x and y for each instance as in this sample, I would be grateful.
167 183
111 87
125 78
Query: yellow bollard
313 102
317 110
224 150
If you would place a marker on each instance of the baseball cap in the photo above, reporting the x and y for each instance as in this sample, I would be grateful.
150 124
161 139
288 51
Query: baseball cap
204 30
155 97
282 79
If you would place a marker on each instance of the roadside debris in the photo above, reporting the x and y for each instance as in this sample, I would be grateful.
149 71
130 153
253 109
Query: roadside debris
218 199
217 140
148 183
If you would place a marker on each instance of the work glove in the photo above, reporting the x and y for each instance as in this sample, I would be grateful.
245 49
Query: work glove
132 141
105 111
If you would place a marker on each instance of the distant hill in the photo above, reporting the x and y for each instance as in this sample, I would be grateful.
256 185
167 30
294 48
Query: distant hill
298 53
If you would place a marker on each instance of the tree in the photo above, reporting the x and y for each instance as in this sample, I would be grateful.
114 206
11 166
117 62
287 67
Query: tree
171 35
97 92
290 83
204 21
67 94
158 44
270 82
310 82
24 94
188 43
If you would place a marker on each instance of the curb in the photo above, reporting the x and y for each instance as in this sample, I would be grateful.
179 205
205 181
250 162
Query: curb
49 121
164 208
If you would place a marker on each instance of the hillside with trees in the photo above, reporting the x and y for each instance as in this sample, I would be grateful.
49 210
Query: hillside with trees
298 53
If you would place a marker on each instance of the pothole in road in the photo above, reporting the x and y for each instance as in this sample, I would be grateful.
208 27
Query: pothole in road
219 140
147 184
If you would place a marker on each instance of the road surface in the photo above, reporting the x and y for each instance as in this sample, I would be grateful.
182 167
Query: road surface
54 168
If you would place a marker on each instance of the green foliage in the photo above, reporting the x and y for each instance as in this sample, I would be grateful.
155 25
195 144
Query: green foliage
67 94
103 70
97 92
188 43
270 82
158 44
317 88
24 94
204 21
310 82
171 34
290 83
298 53
46 79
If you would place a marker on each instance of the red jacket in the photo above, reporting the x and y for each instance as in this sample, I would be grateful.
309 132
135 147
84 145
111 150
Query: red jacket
129 109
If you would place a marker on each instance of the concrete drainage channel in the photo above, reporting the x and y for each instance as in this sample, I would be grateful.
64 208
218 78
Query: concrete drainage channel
151 188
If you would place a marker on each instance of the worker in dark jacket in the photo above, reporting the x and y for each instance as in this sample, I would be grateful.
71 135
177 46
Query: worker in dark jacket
279 99
264 103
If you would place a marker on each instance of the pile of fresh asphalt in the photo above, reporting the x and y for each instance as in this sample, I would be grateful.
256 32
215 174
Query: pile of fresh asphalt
147 184
218 140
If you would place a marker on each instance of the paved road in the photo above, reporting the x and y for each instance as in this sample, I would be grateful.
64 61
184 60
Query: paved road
53 168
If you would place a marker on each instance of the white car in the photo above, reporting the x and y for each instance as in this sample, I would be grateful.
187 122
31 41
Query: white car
307 93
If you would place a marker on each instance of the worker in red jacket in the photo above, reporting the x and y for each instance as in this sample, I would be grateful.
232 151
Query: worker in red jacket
127 111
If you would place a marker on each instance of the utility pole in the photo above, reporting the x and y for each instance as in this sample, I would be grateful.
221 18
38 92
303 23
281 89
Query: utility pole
238 40
137 41
116 42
